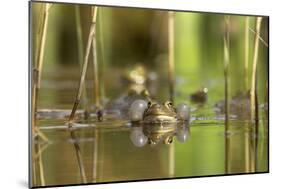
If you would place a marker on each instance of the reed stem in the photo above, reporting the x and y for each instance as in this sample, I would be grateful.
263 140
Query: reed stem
256 125
39 56
171 54
95 60
254 71
84 69
226 69
80 55
226 61
41 51
102 62
246 48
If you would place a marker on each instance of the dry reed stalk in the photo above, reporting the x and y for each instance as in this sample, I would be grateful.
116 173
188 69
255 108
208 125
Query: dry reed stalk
35 129
39 55
171 53
95 60
246 48
84 70
35 69
254 71
42 135
38 34
42 42
80 55
102 62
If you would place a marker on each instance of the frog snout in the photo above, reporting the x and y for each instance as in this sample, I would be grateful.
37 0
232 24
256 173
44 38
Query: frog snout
157 106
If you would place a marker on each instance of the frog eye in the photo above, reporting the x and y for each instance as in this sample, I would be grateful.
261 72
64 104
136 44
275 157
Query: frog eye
168 140
169 104
149 104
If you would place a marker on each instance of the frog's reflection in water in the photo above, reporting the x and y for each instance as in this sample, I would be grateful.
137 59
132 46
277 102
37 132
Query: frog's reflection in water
153 134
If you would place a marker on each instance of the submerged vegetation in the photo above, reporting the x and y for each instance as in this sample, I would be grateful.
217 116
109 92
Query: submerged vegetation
99 60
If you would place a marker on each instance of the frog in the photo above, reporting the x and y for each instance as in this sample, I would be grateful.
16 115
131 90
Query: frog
135 75
200 96
159 122
160 113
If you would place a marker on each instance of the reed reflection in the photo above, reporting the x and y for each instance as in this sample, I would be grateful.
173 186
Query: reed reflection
37 162
78 155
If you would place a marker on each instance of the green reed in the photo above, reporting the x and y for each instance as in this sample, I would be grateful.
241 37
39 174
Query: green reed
171 53
253 93
246 55
226 61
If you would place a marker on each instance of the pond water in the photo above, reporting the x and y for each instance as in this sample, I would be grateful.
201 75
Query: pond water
105 151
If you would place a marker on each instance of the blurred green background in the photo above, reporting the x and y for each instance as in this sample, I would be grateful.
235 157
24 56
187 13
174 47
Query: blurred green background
127 37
